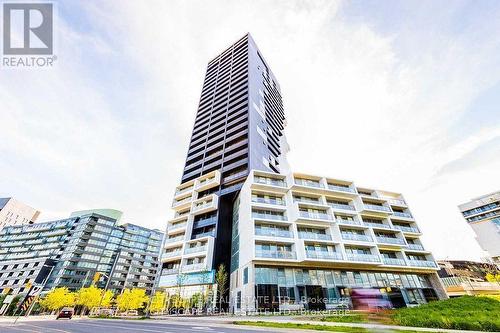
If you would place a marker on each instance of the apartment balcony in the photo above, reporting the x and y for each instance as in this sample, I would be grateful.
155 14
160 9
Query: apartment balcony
350 222
275 255
310 184
309 201
407 229
377 208
172 254
342 207
393 261
362 257
422 263
273 233
415 247
390 240
356 237
176 226
183 191
205 205
265 216
397 202
269 201
341 188
261 182
205 234
170 271
315 236
403 215
205 222
326 255
208 182
315 216
196 249
194 267
377 225
175 239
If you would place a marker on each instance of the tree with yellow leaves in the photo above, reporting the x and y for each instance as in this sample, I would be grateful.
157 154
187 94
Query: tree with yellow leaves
58 298
107 299
89 297
131 299
157 302
492 277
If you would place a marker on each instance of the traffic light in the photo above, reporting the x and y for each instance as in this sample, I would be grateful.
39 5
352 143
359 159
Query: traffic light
96 278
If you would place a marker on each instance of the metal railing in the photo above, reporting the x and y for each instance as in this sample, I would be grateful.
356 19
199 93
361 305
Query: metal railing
323 255
313 235
356 237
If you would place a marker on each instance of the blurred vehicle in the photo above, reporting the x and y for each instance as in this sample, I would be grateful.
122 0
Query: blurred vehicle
369 299
66 313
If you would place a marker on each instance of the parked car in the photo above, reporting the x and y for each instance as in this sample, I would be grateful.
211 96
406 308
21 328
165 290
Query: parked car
66 313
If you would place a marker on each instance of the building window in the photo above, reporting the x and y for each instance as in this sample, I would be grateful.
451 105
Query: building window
245 275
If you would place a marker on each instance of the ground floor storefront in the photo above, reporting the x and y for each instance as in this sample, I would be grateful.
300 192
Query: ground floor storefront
282 288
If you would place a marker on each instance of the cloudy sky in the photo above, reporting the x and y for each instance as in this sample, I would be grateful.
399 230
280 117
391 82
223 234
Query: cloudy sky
398 95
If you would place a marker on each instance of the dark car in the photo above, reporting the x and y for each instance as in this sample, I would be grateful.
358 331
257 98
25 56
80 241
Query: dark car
66 313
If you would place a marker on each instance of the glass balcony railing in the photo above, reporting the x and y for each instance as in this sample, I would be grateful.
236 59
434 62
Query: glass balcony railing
198 207
341 188
204 234
307 183
172 254
314 235
421 263
406 228
174 239
195 249
323 255
270 181
269 201
277 217
169 271
402 214
315 216
377 225
352 222
275 254
184 190
193 267
394 261
416 247
363 257
398 202
177 226
356 237
307 200
181 202
273 232
390 240
341 206
377 207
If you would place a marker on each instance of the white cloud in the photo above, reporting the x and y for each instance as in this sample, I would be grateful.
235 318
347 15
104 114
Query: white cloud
109 127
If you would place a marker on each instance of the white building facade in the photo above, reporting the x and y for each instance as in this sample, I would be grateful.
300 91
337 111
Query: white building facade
483 216
14 212
301 241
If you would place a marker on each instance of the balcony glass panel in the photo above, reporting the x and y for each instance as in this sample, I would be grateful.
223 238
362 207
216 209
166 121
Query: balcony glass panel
269 181
394 261
195 249
422 263
308 183
323 255
273 232
341 206
377 225
356 237
275 254
390 240
363 257
268 216
341 188
406 228
376 207
417 247
314 235
269 201
402 214
315 215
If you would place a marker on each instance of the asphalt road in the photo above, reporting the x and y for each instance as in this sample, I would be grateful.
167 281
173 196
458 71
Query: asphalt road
120 326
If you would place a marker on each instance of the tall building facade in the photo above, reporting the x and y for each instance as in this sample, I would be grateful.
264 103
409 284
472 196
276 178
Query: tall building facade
483 216
14 212
239 127
78 247
284 238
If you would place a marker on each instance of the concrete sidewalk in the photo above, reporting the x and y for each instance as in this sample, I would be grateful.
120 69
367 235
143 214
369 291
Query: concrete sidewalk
291 319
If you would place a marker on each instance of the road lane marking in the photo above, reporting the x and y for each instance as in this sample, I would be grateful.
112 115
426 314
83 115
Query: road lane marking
126 328
48 328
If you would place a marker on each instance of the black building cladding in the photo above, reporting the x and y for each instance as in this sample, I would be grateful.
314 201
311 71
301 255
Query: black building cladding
239 126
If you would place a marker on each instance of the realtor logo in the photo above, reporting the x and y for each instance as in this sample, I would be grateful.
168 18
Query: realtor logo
27 28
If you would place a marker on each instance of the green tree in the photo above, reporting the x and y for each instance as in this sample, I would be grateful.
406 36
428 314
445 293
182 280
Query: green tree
58 298
158 302
221 281
131 299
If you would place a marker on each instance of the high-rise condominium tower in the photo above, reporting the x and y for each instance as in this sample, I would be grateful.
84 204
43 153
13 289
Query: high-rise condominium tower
238 127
